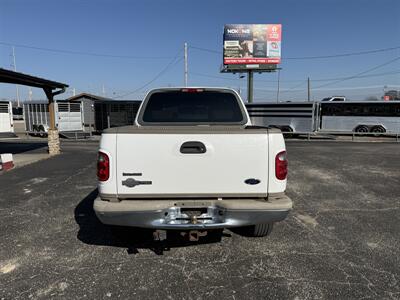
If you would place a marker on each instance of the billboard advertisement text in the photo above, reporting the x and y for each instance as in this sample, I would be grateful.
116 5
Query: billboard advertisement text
252 44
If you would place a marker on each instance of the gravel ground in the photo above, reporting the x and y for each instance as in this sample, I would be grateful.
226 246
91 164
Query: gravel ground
341 240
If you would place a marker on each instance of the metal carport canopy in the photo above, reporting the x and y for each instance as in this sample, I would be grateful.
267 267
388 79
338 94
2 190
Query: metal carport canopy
7 76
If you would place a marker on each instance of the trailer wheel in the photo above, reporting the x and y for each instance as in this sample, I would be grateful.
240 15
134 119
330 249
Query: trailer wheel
258 230
378 129
42 132
287 129
361 129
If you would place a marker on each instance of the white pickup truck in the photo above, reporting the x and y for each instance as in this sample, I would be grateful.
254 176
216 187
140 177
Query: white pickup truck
193 162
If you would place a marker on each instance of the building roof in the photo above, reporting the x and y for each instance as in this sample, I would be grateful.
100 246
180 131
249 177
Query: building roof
12 77
96 98
88 96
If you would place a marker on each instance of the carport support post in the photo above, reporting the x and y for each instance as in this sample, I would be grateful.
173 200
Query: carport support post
53 138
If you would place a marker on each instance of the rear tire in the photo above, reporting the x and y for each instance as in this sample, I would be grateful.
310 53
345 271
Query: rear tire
258 230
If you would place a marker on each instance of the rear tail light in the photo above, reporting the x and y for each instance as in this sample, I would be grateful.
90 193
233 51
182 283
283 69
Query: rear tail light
103 167
281 165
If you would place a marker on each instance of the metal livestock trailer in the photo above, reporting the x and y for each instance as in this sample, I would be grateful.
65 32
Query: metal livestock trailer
6 119
299 117
363 117
68 115
114 113
329 117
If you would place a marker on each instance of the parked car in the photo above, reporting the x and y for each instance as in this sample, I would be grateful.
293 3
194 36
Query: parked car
193 162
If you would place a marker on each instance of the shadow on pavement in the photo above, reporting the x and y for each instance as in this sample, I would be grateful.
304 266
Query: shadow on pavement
18 147
93 232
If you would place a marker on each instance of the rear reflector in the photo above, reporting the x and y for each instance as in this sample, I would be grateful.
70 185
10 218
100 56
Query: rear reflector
103 167
192 90
281 165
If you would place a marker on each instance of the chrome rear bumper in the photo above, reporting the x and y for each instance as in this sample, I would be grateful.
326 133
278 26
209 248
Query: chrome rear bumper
193 214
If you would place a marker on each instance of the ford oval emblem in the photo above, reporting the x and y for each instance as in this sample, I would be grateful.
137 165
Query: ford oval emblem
252 181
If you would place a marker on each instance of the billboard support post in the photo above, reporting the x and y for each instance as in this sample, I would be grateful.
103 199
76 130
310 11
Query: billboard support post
278 90
250 86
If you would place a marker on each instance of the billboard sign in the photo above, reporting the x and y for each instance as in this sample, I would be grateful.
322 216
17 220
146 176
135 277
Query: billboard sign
252 44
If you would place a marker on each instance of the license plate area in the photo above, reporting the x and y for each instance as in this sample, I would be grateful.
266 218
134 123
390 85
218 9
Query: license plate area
193 215
194 211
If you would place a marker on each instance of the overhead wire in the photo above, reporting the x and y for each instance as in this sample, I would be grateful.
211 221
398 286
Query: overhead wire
173 62
360 73
313 57
83 53
295 80
17 45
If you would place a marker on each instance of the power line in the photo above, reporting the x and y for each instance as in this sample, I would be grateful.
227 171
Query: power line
206 50
297 80
293 88
313 57
173 62
73 52
272 90
359 74
344 54
83 53
357 87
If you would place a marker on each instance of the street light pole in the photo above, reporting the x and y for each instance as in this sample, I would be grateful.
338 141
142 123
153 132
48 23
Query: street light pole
15 70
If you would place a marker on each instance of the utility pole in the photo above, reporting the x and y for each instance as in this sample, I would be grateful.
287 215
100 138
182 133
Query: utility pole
103 91
250 86
186 64
277 92
15 70
308 89
30 94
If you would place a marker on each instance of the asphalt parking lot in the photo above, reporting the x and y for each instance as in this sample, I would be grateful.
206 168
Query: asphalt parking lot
341 241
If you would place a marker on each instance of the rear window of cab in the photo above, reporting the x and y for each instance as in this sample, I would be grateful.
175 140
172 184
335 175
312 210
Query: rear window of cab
192 106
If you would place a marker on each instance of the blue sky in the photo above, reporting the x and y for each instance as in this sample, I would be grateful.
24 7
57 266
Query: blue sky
155 31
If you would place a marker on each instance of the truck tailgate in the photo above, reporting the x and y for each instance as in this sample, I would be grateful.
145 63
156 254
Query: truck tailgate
153 165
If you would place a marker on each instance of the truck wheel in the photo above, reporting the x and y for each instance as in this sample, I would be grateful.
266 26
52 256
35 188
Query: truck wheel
258 230
262 229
